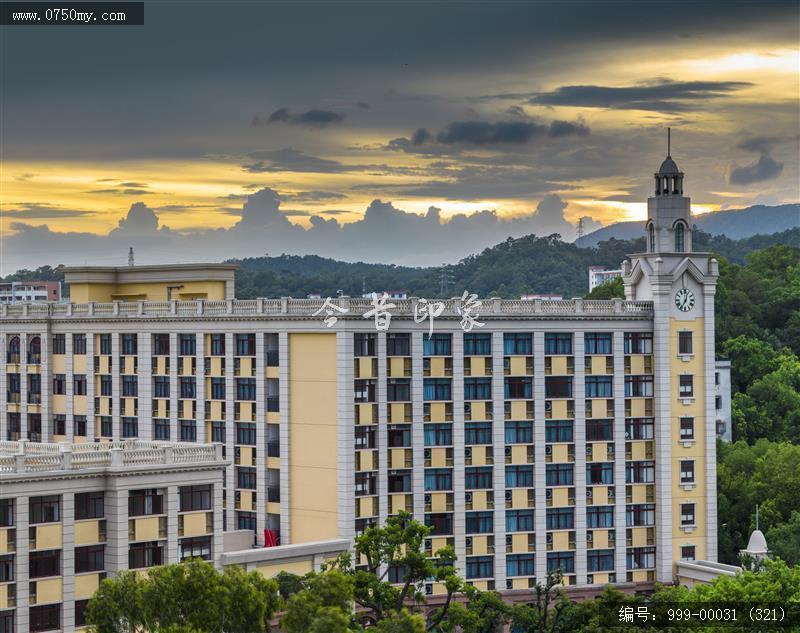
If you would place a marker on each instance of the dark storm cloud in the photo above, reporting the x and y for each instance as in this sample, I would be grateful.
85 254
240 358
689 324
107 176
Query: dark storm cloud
38 211
289 159
315 118
765 168
661 96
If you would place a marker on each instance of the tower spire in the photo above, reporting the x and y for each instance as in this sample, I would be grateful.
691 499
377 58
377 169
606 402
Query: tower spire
669 152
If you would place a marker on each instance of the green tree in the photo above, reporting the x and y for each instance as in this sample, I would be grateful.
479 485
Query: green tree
324 605
783 539
609 290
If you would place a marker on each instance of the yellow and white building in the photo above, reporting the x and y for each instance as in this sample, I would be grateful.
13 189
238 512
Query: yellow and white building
573 434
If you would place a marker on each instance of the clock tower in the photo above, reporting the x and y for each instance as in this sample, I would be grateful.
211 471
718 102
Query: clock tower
681 284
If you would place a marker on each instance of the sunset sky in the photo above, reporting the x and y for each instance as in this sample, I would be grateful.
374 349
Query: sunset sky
524 116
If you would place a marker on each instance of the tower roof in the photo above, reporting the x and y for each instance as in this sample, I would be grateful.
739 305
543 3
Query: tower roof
757 543
668 167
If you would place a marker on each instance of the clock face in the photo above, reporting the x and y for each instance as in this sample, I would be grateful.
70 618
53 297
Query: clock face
684 299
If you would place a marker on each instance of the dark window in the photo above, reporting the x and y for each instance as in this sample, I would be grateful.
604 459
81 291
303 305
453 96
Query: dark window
78 344
477 433
130 427
560 518
398 390
161 344
161 386
438 434
399 436
80 425
639 428
364 437
518 388
565 561
142 555
480 567
558 430
684 342
14 426
7 568
437 389
35 350
519 432
246 389
440 524
106 385
12 355
130 386
558 387
145 502
520 565
364 344
599 430
197 547
641 558
46 617
686 386
188 387
187 345
105 344
480 523
79 385
687 471
218 345
518 344
600 474
161 429
246 433
218 431
519 521
599 387
600 560
679 237
59 344
246 478
597 343
59 424
640 472
478 478
246 521
91 558
35 427
398 345
218 389
80 612
44 564
365 484
638 386
193 498
687 428
129 344
438 479
687 552
245 344
477 389
44 509
638 342
519 476
6 513
477 344
399 481
364 391
437 345
89 505
557 343
600 517
188 430
106 426
560 474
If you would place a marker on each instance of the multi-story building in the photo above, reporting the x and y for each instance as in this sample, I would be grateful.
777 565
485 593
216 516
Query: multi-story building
598 275
722 399
530 435
27 291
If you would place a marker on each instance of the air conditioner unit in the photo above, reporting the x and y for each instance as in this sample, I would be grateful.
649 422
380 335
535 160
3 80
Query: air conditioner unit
427 499
509 583
548 493
508 451
468 542
429 590
548 449
468 497
549 537
427 453
509 540
468 452
508 495
548 406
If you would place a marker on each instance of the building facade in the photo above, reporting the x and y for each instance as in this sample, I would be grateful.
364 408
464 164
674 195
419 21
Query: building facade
722 399
27 291
598 275
530 435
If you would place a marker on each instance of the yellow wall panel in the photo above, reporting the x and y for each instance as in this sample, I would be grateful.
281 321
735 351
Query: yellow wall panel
48 536
518 366
48 591
292 566
194 524
87 532
59 364
86 585
147 529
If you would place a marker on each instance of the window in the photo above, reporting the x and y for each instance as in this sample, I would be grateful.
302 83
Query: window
437 345
130 427
399 481
476 433
477 344
519 432
364 437
687 471
686 386
597 343
142 555
79 385
558 387
79 422
197 547
364 344
398 345
560 518
188 387
680 232
187 345
684 342
480 567
44 564
716 378
12 355
718 402
218 389
639 428
600 560
35 427
600 474
130 386
145 502
399 436
6 513
520 565
479 523
559 474
599 517
59 424
105 344
80 612
478 478
161 386
365 484
438 479
397 574
89 505
437 389
129 344
246 521
641 515
188 430
245 478
194 498
79 344
651 237
440 524
438 435
161 429
565 561
638 342
519 521
91 558
687 552
519 476
245 344
161 344
218 431
687 514
687 428
518 388
246 433
14 426
44 509
398 390
558 430
7 568
59 344
45 617
599 387
218 345
641 558
599 430
518 344
106 385
364 391
557 343
246 389
477 389
106 426
638 386
640 472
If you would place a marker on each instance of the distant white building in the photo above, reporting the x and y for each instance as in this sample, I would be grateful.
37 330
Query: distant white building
598 275
722 399
549 297
391 294
27 291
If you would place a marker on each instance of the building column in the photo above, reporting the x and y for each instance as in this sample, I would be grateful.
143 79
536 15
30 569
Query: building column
382 440
230 431
260 406
68 560
499 456
144 370
539 439
116 517
283 434
579 441
21 571
620 558
172 506
417 427
459 482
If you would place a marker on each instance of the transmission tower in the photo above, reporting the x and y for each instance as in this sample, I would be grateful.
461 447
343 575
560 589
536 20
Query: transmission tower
446 280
